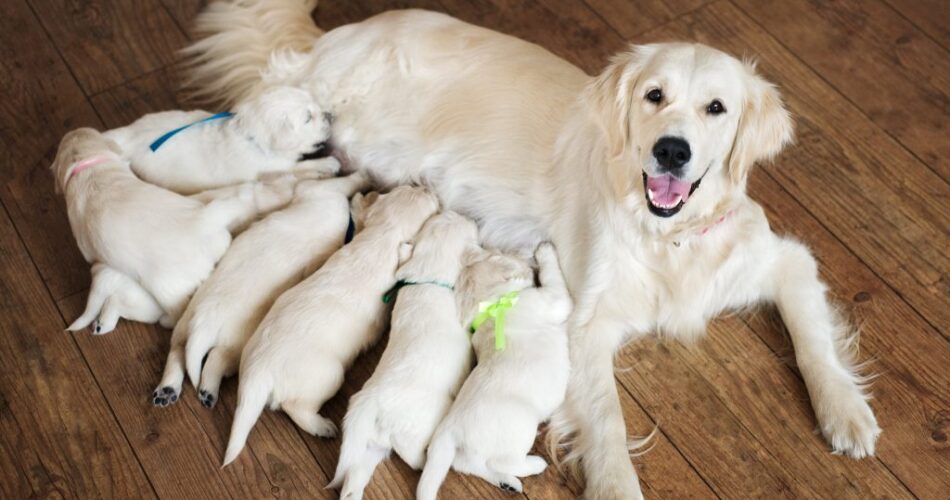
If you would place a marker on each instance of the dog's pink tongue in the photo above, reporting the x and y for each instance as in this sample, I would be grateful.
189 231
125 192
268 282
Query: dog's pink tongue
666 189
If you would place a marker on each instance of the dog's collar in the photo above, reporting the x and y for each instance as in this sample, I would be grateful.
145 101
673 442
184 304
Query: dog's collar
391 293
497 311
87 163
703 231
168 135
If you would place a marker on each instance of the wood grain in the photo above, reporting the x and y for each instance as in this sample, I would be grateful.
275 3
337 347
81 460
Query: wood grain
930 16
632 19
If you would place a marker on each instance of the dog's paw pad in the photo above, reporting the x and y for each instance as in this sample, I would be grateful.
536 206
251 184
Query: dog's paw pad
164 396
507 487
207 398
97 327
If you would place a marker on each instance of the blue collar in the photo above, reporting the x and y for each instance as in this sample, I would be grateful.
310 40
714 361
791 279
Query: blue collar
168 135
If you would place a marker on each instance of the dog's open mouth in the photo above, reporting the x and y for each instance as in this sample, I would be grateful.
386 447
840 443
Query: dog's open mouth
666 194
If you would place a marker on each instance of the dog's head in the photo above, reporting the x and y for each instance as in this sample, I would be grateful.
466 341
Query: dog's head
78 145
405 209
440 247
677 115
489 274
284 120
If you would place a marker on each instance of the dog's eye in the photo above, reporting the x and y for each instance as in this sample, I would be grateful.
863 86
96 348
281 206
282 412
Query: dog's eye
715 107
655 96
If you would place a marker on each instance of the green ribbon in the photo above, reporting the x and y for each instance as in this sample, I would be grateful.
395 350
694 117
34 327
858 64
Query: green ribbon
496 310
391 293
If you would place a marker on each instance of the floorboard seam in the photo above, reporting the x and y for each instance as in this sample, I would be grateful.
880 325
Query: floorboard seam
915 25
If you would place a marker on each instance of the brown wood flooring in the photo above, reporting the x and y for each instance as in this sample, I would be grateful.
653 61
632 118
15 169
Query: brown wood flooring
865 185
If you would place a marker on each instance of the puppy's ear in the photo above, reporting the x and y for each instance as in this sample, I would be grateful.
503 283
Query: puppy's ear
405 252
765 127
610 97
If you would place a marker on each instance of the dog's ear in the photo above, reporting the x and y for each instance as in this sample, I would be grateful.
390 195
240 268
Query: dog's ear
765 127
405 252
610 97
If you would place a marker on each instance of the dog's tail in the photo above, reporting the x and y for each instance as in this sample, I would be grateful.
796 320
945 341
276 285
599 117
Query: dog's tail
236 40
253 392
358 455
439 459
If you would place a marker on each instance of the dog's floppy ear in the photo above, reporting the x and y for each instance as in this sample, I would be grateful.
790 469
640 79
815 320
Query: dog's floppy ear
610 97
765 126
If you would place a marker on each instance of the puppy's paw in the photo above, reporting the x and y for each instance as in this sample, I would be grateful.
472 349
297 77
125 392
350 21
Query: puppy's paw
100 327
849 426
207 398
511 484
325 428
164 396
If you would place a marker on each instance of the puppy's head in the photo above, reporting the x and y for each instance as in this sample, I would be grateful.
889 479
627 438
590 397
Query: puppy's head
284 120
489 274
440 248
677 115
405 209
78 145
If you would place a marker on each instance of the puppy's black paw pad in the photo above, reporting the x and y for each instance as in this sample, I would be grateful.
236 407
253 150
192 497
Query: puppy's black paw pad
507 487
164 396
207 399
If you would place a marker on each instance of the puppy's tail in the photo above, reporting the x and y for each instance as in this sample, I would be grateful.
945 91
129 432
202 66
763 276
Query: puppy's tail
235 42
358 455
439 458
253 392
103 284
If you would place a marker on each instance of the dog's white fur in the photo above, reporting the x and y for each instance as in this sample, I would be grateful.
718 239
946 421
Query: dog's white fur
427 357
296 359
532 148
268 133
273 255
493 422
165 242
114 295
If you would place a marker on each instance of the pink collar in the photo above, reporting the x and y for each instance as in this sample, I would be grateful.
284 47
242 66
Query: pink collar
720 221
87 163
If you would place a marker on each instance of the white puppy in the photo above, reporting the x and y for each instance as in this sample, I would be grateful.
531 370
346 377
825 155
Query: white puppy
114 295
427 357
268 133
273 255
165 242
296 359
520 380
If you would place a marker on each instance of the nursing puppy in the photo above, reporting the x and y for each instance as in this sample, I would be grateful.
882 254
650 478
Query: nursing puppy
296 359
271 256
163 241
268 133
493 423
114 295
427 357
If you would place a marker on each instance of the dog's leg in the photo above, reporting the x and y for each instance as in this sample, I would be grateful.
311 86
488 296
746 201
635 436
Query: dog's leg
319 168
593 409
552 280
823 343
530 465
108 317
222 362
169 388
304 413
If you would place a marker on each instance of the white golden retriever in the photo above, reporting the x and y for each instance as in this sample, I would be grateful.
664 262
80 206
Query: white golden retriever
267 133
296 359
494 420
114 295
608 167
427 357
273 255
165 242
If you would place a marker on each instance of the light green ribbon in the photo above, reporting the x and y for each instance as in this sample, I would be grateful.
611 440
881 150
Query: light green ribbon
496 311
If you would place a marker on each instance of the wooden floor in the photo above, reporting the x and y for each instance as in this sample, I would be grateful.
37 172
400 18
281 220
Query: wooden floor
866 185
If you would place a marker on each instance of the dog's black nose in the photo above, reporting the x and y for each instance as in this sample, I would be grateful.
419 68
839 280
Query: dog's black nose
671 153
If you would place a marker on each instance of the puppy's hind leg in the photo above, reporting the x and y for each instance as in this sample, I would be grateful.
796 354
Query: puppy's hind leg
169 388
108 317
304 413
222 362
502 479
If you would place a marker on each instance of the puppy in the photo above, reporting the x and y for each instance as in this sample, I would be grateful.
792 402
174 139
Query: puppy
296 359
163 241
271 256
269 133
114 295
427 358
492 425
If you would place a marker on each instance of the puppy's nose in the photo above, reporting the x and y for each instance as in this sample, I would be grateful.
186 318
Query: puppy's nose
671 153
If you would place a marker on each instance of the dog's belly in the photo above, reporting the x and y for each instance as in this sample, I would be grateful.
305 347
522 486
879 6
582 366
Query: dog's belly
474 114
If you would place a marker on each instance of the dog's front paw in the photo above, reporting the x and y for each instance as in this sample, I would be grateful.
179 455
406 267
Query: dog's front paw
164 396
849 425
207 398
511 485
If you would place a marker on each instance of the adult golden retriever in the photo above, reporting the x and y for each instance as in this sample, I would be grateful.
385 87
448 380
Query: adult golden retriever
638 175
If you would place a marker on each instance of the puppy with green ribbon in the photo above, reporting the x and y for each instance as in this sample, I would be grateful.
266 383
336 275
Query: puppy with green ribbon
520 340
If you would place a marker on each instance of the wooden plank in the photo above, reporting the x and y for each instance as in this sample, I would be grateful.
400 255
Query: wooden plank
912 392
184 11
106 43
631 19
329 15
877 59
930 16
875 197
68 437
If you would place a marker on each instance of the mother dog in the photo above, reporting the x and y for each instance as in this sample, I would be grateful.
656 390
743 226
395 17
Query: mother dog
638 175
